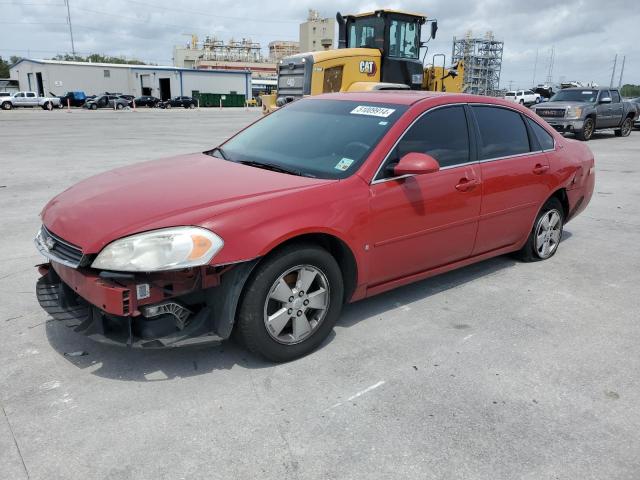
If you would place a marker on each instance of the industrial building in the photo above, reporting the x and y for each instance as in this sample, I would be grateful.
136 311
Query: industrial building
316 33
57 77
214 53
482 57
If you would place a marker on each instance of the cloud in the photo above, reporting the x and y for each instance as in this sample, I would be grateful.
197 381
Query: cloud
586 34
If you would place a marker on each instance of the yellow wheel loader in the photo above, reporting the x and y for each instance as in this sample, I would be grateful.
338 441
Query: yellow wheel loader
376 51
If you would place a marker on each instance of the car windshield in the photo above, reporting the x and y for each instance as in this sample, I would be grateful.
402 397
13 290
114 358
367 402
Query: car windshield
587 96
316 138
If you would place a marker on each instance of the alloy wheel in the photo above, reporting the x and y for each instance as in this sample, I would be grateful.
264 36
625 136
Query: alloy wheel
548 233
296 305
588 128
627 125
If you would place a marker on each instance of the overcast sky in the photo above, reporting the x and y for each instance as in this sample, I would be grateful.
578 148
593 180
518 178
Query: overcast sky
586 34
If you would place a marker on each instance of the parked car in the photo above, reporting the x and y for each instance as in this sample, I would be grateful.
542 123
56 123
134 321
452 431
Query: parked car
329 200
523 97
636 102
582 111
74 99
28 99
147 101
106 101
186 102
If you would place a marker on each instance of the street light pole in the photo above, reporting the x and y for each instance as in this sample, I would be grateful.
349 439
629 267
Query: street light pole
73 48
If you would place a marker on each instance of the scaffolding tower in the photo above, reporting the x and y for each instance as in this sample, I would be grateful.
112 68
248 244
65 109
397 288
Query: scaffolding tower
482 59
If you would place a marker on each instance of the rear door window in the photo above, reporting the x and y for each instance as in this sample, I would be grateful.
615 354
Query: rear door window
502 132
615 96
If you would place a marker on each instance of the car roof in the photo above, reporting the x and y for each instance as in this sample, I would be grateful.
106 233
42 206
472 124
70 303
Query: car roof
409 97
588 88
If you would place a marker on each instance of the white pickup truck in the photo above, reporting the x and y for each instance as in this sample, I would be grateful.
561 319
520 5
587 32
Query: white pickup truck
28 99
523 97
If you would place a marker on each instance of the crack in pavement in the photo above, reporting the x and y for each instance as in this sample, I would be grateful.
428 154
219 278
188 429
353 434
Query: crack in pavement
15 442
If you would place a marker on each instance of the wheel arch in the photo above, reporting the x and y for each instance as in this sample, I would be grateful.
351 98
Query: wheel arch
561 195
337 247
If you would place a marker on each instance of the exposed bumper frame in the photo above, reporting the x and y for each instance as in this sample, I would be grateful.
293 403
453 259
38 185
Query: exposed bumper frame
108 312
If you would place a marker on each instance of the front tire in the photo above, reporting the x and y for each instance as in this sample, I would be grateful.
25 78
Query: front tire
546 234
625 128
588 127
291 303
94 107
119 106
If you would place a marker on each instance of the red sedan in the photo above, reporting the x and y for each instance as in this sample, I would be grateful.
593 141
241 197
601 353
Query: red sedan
329 200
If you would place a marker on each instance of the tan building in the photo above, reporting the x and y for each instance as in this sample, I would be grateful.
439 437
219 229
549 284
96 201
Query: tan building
282 48
316 33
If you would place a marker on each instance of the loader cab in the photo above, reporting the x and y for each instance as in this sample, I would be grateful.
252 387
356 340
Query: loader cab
395 34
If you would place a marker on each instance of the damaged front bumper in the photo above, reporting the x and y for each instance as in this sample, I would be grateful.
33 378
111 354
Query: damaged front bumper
168 309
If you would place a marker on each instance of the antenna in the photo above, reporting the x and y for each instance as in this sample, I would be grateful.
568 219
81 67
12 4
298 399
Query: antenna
73 48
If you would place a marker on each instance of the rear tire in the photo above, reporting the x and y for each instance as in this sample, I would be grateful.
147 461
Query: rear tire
521 102
119 106
7 106
625 128
546 234
278 319
94 107
588 127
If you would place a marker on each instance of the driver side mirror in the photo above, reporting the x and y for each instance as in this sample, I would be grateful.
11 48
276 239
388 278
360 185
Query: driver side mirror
414 163
605 100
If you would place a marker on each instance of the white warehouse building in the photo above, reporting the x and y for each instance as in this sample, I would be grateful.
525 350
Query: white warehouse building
55 76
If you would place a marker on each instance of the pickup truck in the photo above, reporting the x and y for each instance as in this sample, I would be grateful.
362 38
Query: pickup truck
523 97
582 111
73 99
29 99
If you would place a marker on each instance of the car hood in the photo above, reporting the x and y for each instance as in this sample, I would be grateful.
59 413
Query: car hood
183 190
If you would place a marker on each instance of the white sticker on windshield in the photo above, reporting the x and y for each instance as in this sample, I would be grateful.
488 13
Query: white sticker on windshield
372 111
343 164
382 122
588 92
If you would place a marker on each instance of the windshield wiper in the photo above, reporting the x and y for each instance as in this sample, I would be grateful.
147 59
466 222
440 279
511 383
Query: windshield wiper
275 168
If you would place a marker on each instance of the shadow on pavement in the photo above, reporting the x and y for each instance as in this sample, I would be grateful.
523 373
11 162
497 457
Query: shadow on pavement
136 365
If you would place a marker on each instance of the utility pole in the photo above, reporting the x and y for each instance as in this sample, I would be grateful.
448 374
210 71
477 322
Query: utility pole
73 48
535 67
622 71
613 73
510 84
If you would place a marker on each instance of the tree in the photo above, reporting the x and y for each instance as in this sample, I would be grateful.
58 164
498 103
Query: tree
629 90
4 68
98 58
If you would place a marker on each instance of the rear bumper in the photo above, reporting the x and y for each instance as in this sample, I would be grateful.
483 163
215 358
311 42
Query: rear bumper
110 311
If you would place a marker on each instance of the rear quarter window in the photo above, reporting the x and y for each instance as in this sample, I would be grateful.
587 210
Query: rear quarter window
544 138
502 132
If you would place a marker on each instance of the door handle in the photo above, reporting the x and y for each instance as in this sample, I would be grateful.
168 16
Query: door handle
540 169
466 184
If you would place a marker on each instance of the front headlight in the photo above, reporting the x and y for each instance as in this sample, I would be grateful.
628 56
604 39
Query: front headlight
165 249
574 113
